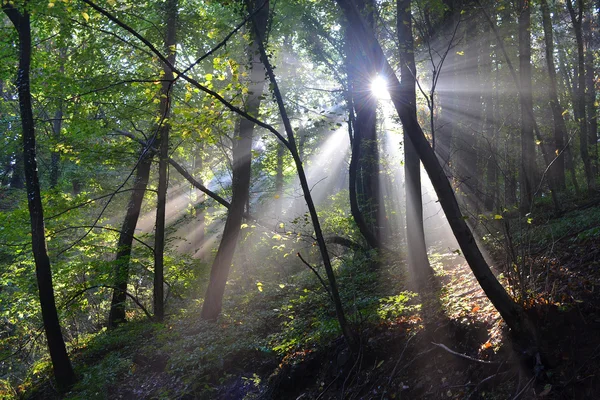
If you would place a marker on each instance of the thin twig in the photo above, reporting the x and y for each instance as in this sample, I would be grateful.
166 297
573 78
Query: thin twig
466 357
313 269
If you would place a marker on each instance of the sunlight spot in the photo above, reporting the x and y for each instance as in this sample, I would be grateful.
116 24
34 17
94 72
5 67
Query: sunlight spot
379 87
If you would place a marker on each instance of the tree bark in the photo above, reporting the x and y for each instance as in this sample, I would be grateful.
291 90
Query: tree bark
364 163
163 164
590 43
527 172
213 299
557 170
63 371
579 100
510 311
125 243
491 149
418 262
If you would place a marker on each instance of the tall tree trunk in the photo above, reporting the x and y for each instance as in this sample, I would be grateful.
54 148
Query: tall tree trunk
364 163
557 170
579 100
290 143
213 299
468 146
418 262
527 172
568 91
490 150
590 42
163 164
511 312
63 372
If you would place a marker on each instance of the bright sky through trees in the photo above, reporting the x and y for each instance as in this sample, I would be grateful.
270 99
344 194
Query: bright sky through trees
379 87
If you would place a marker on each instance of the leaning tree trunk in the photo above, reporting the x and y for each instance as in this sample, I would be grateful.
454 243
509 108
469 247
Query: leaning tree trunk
418 262
242 146
63 372
165 111
126 235
511 312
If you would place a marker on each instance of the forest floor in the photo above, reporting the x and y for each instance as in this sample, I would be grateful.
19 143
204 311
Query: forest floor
448 343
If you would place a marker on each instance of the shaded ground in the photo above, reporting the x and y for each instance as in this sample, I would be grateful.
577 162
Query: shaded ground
453 347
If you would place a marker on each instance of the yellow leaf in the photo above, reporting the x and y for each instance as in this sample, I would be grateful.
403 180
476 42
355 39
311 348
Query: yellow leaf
498 216
111 2
460 53
259 285
50 5
281 285
276 196
85 16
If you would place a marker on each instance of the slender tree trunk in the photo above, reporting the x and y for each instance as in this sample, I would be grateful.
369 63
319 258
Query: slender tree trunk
63 372
126 235
511 312
163 164
468 146
527 172
590 90
312 211
418 262
579 100
557 170
569 91
490 150
213 299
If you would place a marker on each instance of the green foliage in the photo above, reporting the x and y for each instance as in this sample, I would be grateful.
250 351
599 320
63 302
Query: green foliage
393 307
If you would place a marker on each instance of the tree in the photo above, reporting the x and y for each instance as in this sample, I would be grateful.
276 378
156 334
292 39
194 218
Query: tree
560 129
415 232
527 171
512 313
164 109
363 109
63 372
579 100
242 146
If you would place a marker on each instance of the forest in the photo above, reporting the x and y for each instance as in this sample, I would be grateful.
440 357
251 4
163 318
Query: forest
299 199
